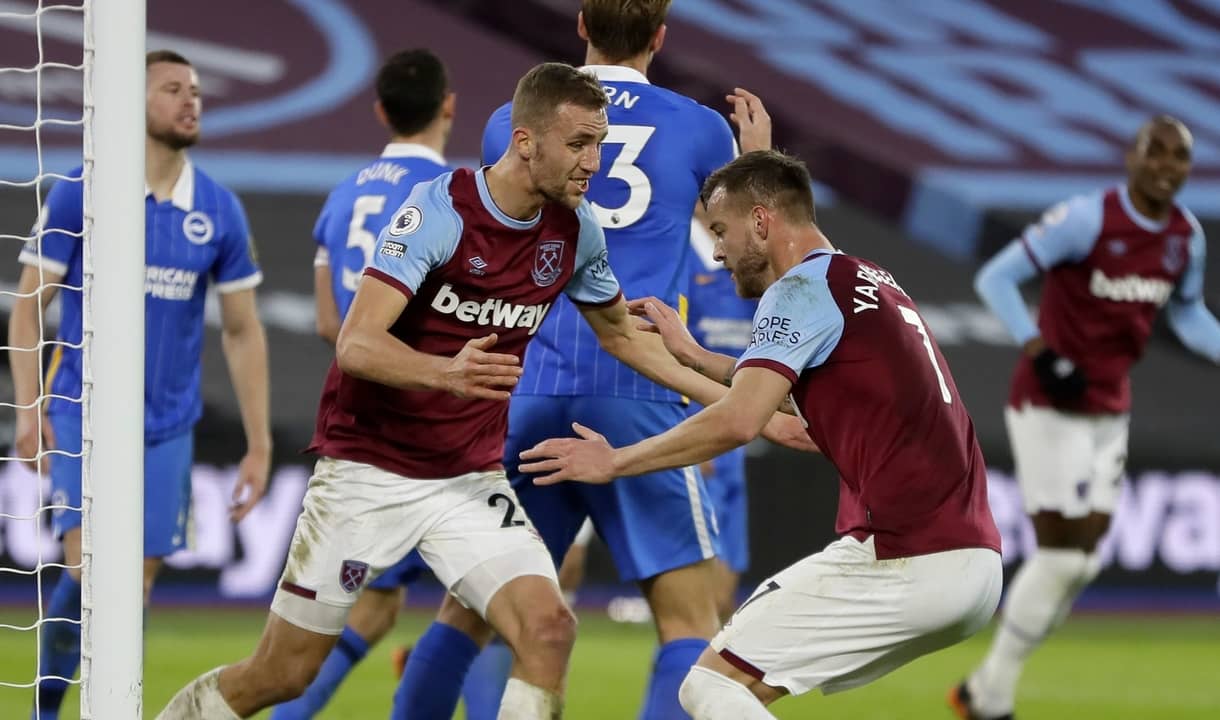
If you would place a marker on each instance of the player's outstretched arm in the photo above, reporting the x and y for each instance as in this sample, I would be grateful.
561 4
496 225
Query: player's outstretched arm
644 352
1195 327
245 348
665 322
24 335
1188 315
367 350
728 423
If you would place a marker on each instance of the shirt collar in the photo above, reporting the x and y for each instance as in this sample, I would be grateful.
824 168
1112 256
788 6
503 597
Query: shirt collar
616 73
1145 222
183 196
412 150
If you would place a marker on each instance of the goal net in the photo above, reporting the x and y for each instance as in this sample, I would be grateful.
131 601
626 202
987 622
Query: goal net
72 94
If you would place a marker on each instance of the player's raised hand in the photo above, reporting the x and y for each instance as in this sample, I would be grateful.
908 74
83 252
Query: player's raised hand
476 373
789 431
251 483
588 460
751 118
666 322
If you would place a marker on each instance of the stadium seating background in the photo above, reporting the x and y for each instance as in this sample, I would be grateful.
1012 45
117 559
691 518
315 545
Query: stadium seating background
286 121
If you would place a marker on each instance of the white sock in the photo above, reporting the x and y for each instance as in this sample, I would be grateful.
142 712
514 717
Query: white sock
199 700
1039 599
522 701
708 695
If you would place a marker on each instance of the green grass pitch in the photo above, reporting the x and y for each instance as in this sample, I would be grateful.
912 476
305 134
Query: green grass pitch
1112 667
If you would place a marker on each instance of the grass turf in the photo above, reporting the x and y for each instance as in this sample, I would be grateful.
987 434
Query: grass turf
1112 667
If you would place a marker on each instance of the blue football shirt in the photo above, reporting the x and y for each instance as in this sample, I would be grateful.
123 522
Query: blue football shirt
660 148
199 235
358 208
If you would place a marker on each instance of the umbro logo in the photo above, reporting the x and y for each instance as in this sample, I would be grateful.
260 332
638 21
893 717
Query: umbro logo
478 265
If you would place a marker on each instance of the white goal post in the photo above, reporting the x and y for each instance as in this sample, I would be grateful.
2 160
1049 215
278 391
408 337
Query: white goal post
112 540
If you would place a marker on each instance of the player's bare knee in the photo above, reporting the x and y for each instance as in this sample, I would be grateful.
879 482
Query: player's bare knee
550 629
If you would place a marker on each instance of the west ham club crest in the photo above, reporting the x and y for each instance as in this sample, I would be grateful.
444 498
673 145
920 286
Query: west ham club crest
352 575
548 263
1176 250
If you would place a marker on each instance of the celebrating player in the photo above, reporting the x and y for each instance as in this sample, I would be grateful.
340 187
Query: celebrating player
413 416
414 102
837 336
1111 260
195 232
659 148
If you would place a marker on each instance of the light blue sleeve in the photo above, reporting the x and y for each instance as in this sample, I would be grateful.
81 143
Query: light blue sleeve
235 267
61 221
421 236
997 283
497 133
593 282
1190 286
1188 315
1196 327
1065 233
797 325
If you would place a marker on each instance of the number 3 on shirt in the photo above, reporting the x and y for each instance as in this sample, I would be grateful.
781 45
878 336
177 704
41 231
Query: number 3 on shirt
359 237
912 318
639 187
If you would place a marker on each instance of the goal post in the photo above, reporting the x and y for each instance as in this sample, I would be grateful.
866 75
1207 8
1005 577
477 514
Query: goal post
112 539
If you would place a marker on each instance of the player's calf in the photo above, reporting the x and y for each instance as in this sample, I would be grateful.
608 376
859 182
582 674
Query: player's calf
375 613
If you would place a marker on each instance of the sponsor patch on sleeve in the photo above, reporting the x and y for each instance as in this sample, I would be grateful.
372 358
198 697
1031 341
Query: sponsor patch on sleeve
393 249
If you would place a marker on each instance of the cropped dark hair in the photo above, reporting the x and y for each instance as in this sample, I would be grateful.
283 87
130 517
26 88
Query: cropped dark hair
622 29
411 86
769 178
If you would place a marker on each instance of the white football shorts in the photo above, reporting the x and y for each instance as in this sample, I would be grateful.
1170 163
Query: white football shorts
358 520
841 618
1069 463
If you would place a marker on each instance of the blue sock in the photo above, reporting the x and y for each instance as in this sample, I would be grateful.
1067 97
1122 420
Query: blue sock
60 646
485 682
349 650
430 686
669 667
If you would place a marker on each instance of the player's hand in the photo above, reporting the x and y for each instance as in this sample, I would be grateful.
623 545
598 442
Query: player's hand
251 483
665 321
1060 378
588 460
752 121
25 440
478 374
789 431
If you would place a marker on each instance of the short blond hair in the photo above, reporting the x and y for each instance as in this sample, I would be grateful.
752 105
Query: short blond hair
547 87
